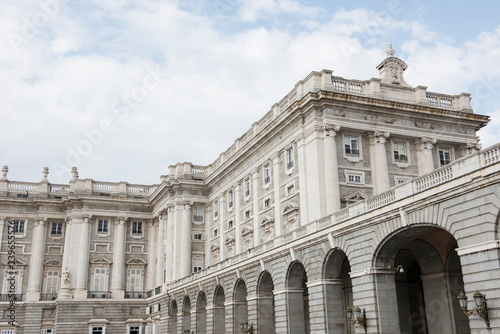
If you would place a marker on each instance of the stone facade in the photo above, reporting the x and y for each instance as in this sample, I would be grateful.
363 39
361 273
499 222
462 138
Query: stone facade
346 193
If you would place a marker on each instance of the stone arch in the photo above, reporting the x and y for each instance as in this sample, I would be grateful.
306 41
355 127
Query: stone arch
265 303
201 313
219 310
297 299
240 303
173 317
338 291
416 261
186 314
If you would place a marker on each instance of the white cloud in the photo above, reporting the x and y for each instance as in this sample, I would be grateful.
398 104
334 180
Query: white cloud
217 82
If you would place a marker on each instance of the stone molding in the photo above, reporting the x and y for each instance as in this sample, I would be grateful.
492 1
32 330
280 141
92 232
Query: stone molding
481 247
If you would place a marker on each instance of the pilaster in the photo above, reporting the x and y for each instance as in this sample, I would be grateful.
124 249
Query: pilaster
332 190
83 259
151 283
378 157
36 261
425 158
169 247
255 200
160 249
117 280
277 194
186 241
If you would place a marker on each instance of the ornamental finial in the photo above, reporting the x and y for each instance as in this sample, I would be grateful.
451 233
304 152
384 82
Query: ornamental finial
390 51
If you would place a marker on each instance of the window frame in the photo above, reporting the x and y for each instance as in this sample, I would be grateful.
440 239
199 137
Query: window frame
266 175
59 228
289 159
247 188
104 229
450 153
361 175
19 227
230 199
349 156
394 146
198 213
216 209
137 234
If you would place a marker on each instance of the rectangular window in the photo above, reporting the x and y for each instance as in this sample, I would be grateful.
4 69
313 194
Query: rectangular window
134 280
134 330
247 187
196 269
267 174
444 156
247 214
400 181
400 152
102 226
216 232
16 275
354 178
7 331
351 146
230 225
56 229
97 330
136 228
198 213
267 203
216 209
230 199
46 331
100 282
18 226
289 158
290 190
51 281
197 236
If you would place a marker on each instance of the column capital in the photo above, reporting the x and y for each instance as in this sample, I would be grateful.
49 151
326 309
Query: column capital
41 221
425 143
331 130
378 137
121 220
86 218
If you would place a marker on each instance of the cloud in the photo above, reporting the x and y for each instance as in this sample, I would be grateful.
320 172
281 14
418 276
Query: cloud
216 80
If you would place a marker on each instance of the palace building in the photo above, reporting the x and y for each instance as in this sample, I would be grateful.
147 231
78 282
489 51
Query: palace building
367 195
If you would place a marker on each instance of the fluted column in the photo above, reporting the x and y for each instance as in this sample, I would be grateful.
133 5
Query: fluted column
277 194
169 247
425 158
36 261
64 292
237 227
83 260
160 249
255 200
151 256
222 244
378 157
117 280
332 190
186 241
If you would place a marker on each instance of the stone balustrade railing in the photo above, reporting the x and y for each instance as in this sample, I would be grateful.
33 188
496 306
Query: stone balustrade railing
44 188
440 177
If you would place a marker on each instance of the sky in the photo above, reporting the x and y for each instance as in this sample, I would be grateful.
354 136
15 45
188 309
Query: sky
123 89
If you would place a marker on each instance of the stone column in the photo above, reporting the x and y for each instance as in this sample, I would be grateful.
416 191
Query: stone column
177 241
83 259
36 261
64 292
252 309
332 190
169 249
210 319
2 223
378 159
117 280
303 182
277 194
160 249
151 256
374 289
425 158
255 199
185 242
280 309
237 227
222 244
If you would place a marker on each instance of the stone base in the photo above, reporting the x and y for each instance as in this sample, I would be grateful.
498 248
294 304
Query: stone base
33 296
64 294
81 294
118 294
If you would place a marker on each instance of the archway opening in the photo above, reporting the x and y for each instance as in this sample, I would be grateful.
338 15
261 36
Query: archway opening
298 300
338 292
219 311
186 314
240 304
265 305
173 317
427 280
201 313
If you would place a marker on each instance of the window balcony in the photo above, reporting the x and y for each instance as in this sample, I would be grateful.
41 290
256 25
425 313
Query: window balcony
351 152
99 294
48 296
135 295
8 297
197 218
